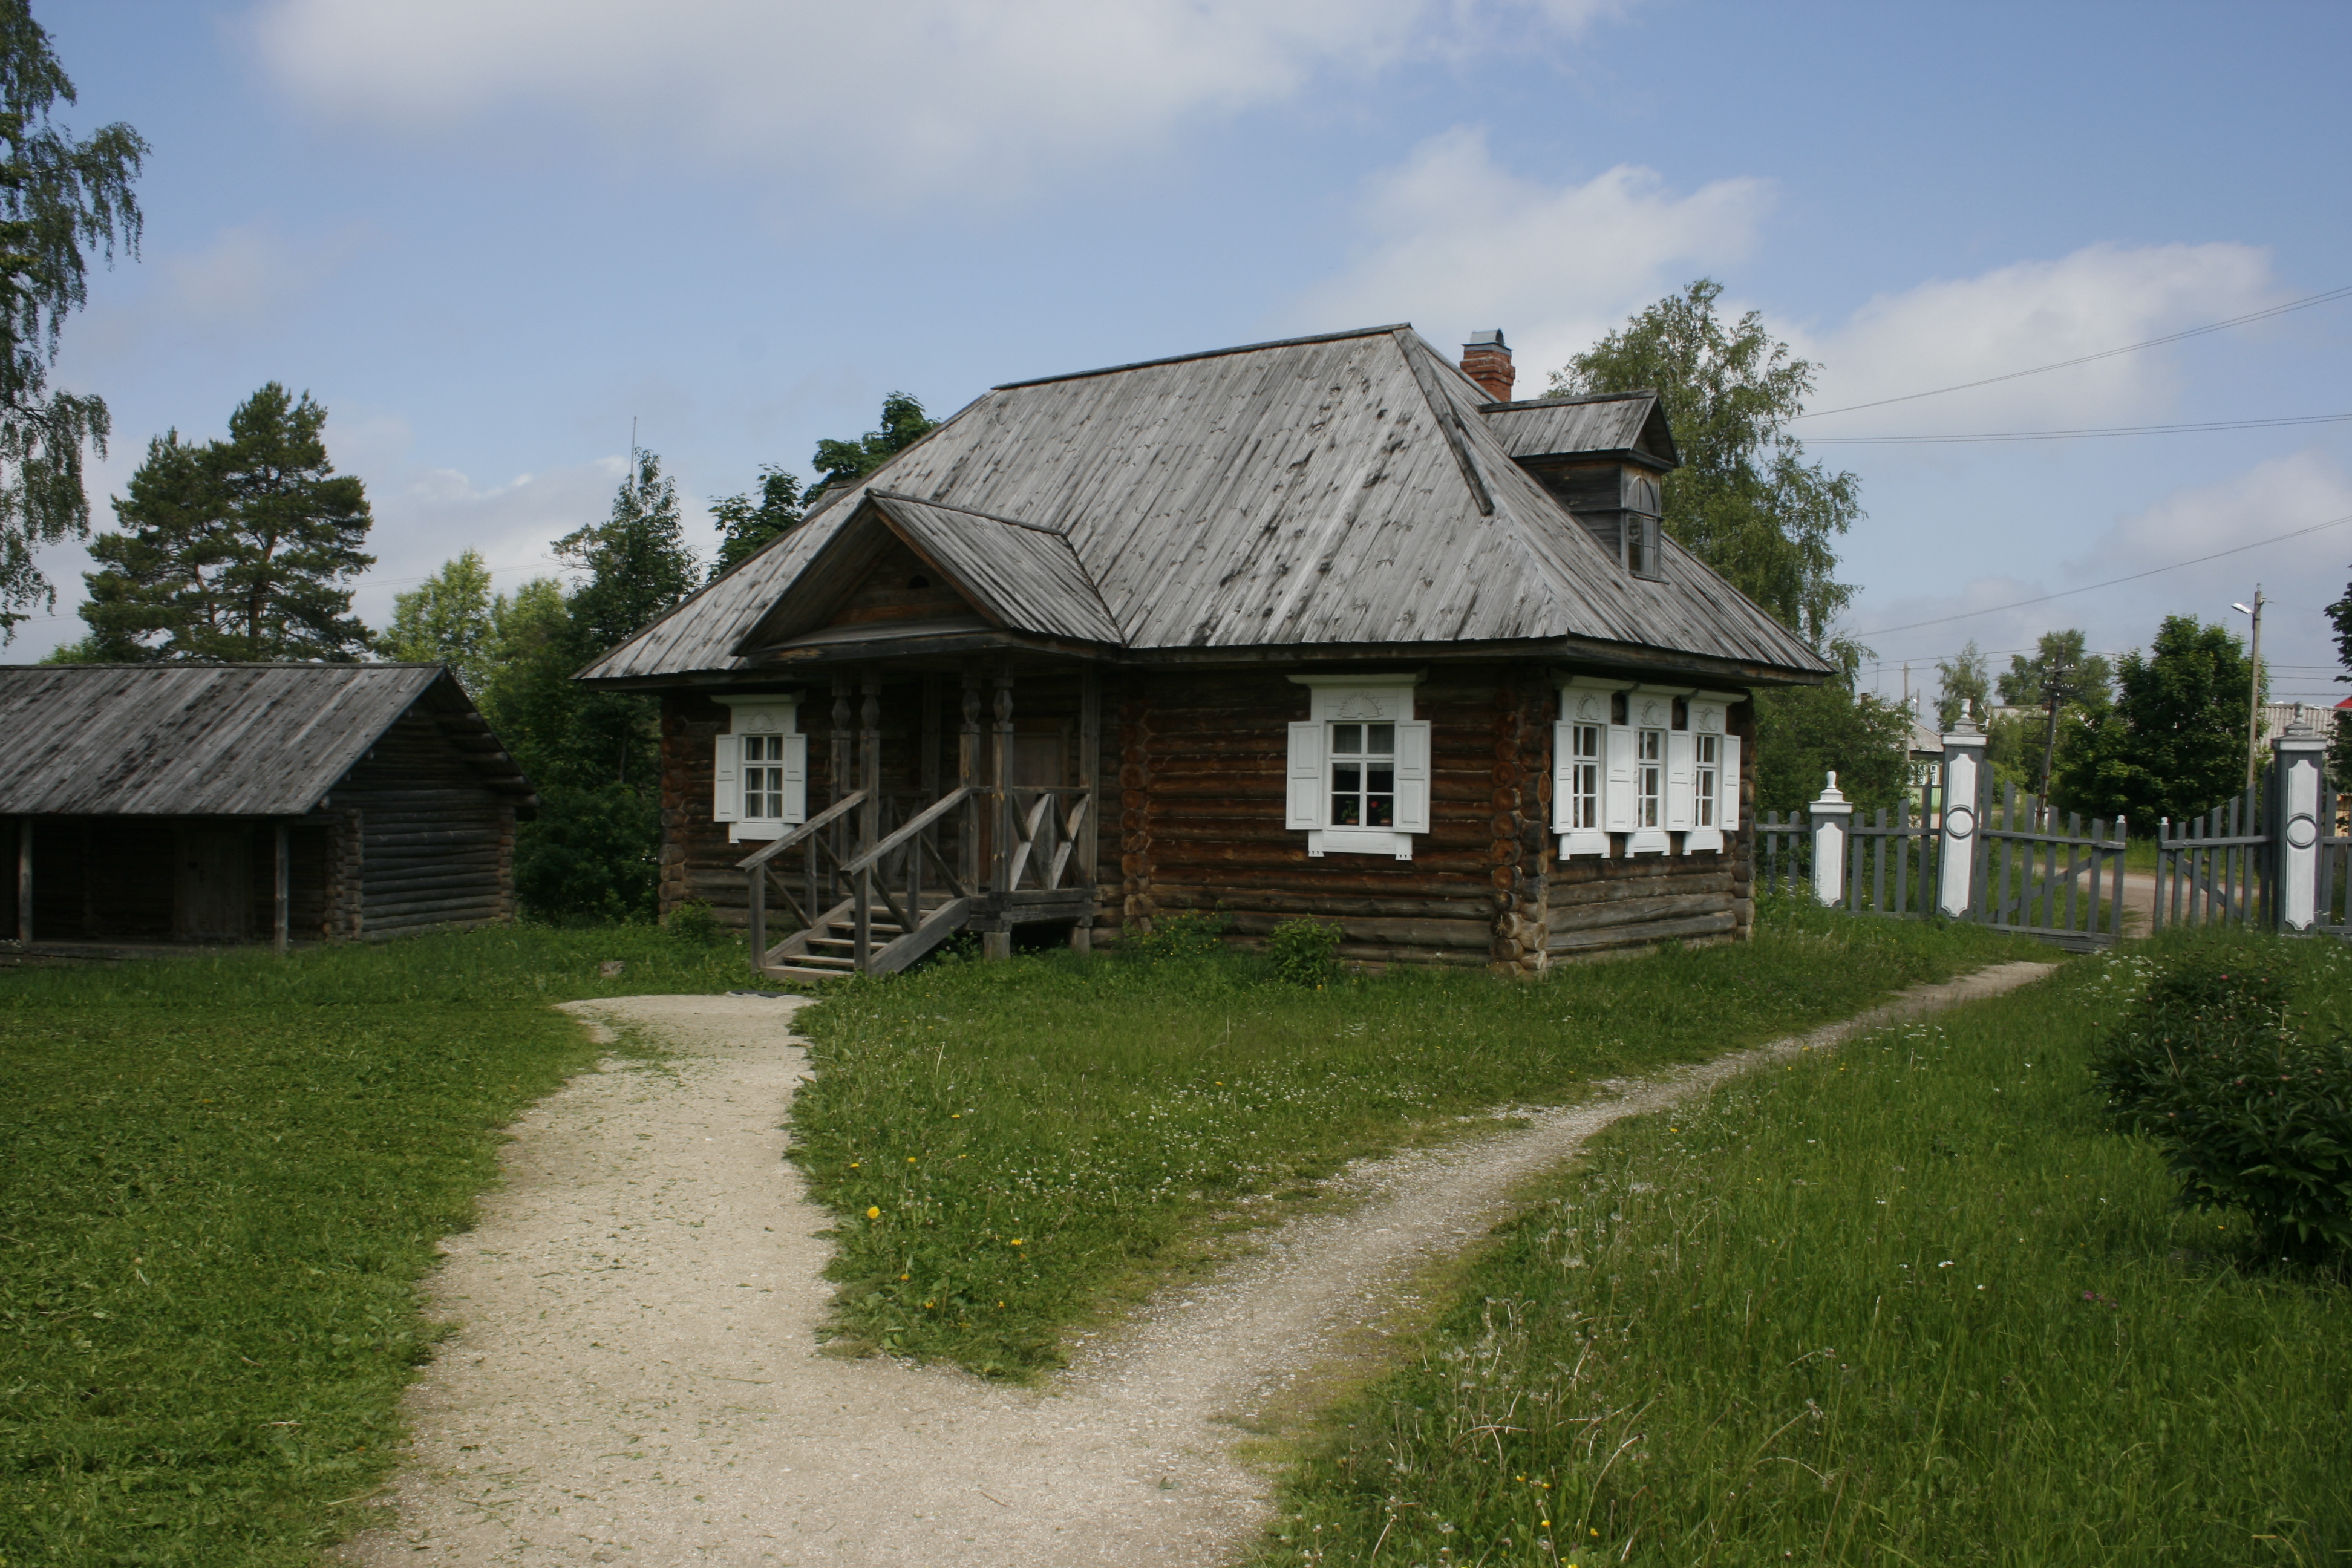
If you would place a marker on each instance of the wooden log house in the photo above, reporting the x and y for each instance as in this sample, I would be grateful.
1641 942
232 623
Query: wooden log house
1329 626
222 804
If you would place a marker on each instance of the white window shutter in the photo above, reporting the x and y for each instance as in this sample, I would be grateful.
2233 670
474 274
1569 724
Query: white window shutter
727 773
1563 777
795 778
1306 810
1681 765
1412 775
1727 813
1617 783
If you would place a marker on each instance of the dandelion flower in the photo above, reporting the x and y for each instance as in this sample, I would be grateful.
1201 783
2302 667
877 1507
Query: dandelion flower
1016 1241
873 1214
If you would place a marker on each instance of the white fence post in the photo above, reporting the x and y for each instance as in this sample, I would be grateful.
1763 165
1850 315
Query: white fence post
2295 837
1964 750
1830 814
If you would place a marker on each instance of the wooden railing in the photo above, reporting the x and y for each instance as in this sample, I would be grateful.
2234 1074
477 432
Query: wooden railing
871 873
1042 838
763 869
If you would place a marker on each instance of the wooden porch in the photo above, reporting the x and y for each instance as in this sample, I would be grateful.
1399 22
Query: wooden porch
875 877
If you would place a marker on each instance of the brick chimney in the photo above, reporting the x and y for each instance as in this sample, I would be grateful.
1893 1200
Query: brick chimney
1486 359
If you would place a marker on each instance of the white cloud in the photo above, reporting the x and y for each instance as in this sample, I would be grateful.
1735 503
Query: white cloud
424 517
881 102
245 283
1456 243
1948 333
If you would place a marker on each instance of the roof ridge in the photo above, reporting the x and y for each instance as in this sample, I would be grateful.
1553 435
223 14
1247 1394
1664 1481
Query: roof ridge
1566 402
1205 354
1449 419
1060 533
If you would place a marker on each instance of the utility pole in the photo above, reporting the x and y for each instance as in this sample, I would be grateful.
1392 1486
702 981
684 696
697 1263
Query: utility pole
2052 680
2254 691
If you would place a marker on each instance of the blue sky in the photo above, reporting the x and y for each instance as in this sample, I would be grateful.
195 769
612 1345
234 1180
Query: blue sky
492 235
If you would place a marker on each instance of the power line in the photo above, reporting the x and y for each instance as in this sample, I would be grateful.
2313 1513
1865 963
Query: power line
2303 304
2092 587
2075 435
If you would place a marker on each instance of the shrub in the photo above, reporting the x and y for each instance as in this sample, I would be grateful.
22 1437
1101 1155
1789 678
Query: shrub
2251 1112
592 854
696 925
1189 935
1305 952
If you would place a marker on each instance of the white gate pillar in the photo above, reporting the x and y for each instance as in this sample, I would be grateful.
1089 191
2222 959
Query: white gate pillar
2299 753
1964 750
1830 814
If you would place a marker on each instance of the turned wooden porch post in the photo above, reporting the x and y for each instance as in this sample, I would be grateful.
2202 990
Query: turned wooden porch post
24 881
282 865
998 943
967 772
1082 935
844 762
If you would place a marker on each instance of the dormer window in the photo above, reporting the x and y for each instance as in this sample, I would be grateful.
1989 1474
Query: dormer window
1644 547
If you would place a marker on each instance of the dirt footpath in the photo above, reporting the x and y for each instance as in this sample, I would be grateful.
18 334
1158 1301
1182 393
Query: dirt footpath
634 1379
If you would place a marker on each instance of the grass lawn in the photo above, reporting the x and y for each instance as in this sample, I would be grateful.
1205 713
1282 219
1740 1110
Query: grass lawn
224 1177
1010 1148
1912 1303
222 1181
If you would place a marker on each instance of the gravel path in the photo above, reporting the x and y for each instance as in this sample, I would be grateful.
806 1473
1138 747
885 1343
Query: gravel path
634 1377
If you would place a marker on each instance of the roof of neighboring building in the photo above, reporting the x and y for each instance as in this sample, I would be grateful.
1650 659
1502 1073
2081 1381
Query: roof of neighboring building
1335 492
214 740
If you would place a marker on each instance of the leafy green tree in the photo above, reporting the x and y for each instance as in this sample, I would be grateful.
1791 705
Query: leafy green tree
242 549
1965 680
527 692
2070 686
446 619
1744 500
1806 733
57 196
748 522
903 423
2174 742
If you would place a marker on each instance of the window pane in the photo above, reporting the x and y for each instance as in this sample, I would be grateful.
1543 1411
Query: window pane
1381 739
1345 810
1380 811
1347 738
1347 778
1380 779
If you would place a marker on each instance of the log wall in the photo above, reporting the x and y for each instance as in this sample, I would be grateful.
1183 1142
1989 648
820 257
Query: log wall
1191 795
424 842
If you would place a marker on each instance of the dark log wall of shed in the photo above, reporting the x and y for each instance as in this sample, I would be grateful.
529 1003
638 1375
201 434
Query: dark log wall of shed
116 879
435 846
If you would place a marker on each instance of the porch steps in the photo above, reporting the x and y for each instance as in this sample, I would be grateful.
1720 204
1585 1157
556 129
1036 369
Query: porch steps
828 949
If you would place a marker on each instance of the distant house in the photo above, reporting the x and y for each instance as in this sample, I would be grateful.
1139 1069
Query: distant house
235 803
1328 627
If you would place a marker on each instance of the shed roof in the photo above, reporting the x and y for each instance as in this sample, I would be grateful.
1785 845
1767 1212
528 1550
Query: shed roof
209 739
1335 492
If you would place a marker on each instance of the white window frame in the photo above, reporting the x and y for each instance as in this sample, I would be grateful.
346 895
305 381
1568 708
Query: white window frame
763 716
1710 719
1650 712
1357 700
1586 703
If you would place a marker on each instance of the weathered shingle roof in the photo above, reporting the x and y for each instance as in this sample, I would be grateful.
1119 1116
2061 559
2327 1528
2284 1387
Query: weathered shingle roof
1605 422
186 740
1336 491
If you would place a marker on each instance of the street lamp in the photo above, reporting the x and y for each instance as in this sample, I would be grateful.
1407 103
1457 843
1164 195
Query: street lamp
2254 694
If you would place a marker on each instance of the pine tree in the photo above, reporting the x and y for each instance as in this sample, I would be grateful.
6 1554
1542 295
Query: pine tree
241 549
